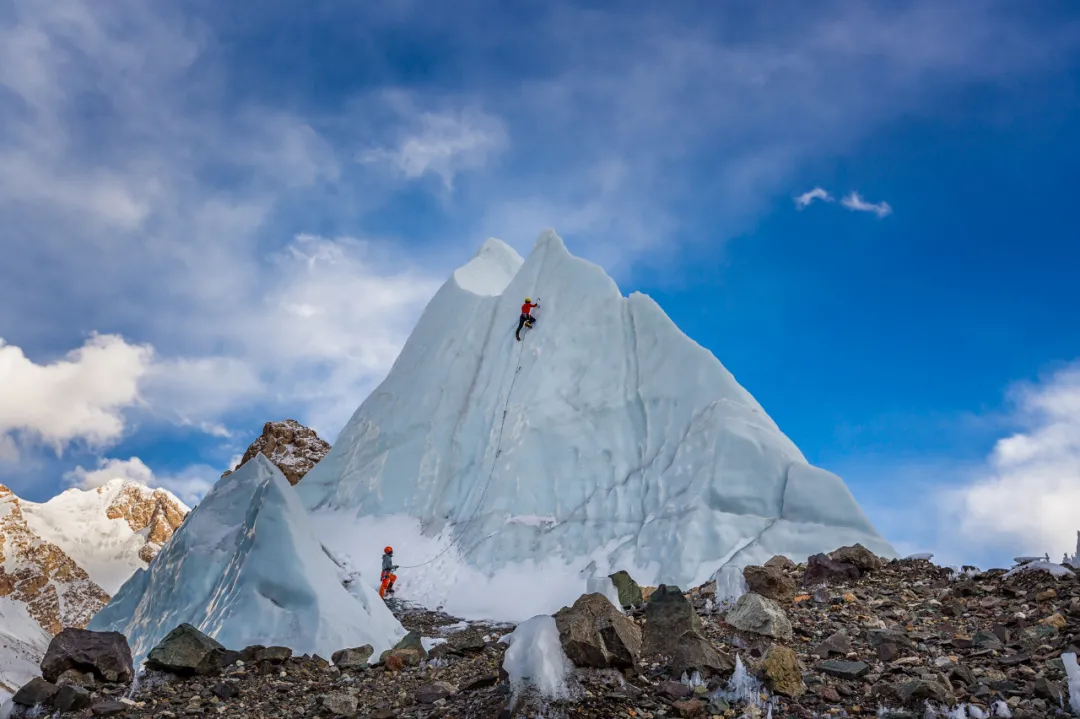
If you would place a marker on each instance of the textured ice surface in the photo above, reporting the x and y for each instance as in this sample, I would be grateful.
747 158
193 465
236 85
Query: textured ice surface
1073 673
535 658
606 440
730 585
246 568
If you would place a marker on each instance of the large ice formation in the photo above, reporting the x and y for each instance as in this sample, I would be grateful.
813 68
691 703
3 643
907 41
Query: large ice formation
246 568
606 439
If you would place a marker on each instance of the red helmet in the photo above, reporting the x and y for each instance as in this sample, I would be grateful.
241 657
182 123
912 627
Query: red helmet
389 550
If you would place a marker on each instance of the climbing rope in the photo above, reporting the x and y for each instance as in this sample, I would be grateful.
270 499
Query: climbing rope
491 473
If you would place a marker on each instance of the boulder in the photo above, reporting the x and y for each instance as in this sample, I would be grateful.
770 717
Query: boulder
34 692
71 698
837 643
674 690
394 659
755 614
781 562
822 569
466 643
689 708
274 655
106 655
916 692
986 640
594 633
771 583
355 658
433 692
186 651
76 678
412 640
843 669
107 708
629 591
858 556
782 673
668 616
695 653
339 703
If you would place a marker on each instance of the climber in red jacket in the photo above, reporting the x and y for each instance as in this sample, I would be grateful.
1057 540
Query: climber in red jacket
526 318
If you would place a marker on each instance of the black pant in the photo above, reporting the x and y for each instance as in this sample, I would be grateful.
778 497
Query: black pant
521 323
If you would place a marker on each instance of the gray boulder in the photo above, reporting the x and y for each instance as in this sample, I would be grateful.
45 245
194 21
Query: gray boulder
433 692
412 640
186 651
755 614
629 592
823 569
105 655
668 616
771 583
339 703
71 698
695 653
355 658
779 561
594 633
858 556
34 692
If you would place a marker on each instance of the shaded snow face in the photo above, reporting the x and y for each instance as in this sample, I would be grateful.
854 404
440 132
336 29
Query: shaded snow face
627 444
246 568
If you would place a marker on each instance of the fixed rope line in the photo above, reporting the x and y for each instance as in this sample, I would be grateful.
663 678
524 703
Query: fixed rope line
491 473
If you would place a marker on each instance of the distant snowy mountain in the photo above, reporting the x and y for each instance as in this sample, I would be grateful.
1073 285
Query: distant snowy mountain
246 568
41 591
110 531
511 472
290 446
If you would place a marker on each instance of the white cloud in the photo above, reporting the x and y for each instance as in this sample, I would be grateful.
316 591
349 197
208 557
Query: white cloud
81 397
133 469
857 204
333 321
445 144
190 484
1025 496
9 451
805 199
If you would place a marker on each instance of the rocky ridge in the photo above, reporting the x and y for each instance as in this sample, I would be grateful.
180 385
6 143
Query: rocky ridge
858 637
57 592
289 445
153 510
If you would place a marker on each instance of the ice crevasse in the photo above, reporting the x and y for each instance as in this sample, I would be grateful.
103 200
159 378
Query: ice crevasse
607 439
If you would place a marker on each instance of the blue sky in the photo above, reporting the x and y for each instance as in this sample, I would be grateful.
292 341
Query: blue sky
250 205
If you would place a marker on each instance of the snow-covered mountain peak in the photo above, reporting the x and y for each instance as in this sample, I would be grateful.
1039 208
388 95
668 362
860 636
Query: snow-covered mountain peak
246 568
490 270
632 443
38 574
110 530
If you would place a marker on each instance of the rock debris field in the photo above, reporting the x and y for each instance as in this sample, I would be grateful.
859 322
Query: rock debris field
843 635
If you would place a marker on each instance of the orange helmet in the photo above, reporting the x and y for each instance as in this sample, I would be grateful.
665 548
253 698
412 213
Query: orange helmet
389 550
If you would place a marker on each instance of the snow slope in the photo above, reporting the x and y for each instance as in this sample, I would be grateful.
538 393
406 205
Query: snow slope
607 439
78 521
246 568
22 645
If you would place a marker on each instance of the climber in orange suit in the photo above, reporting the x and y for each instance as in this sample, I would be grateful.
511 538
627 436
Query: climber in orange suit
388 577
